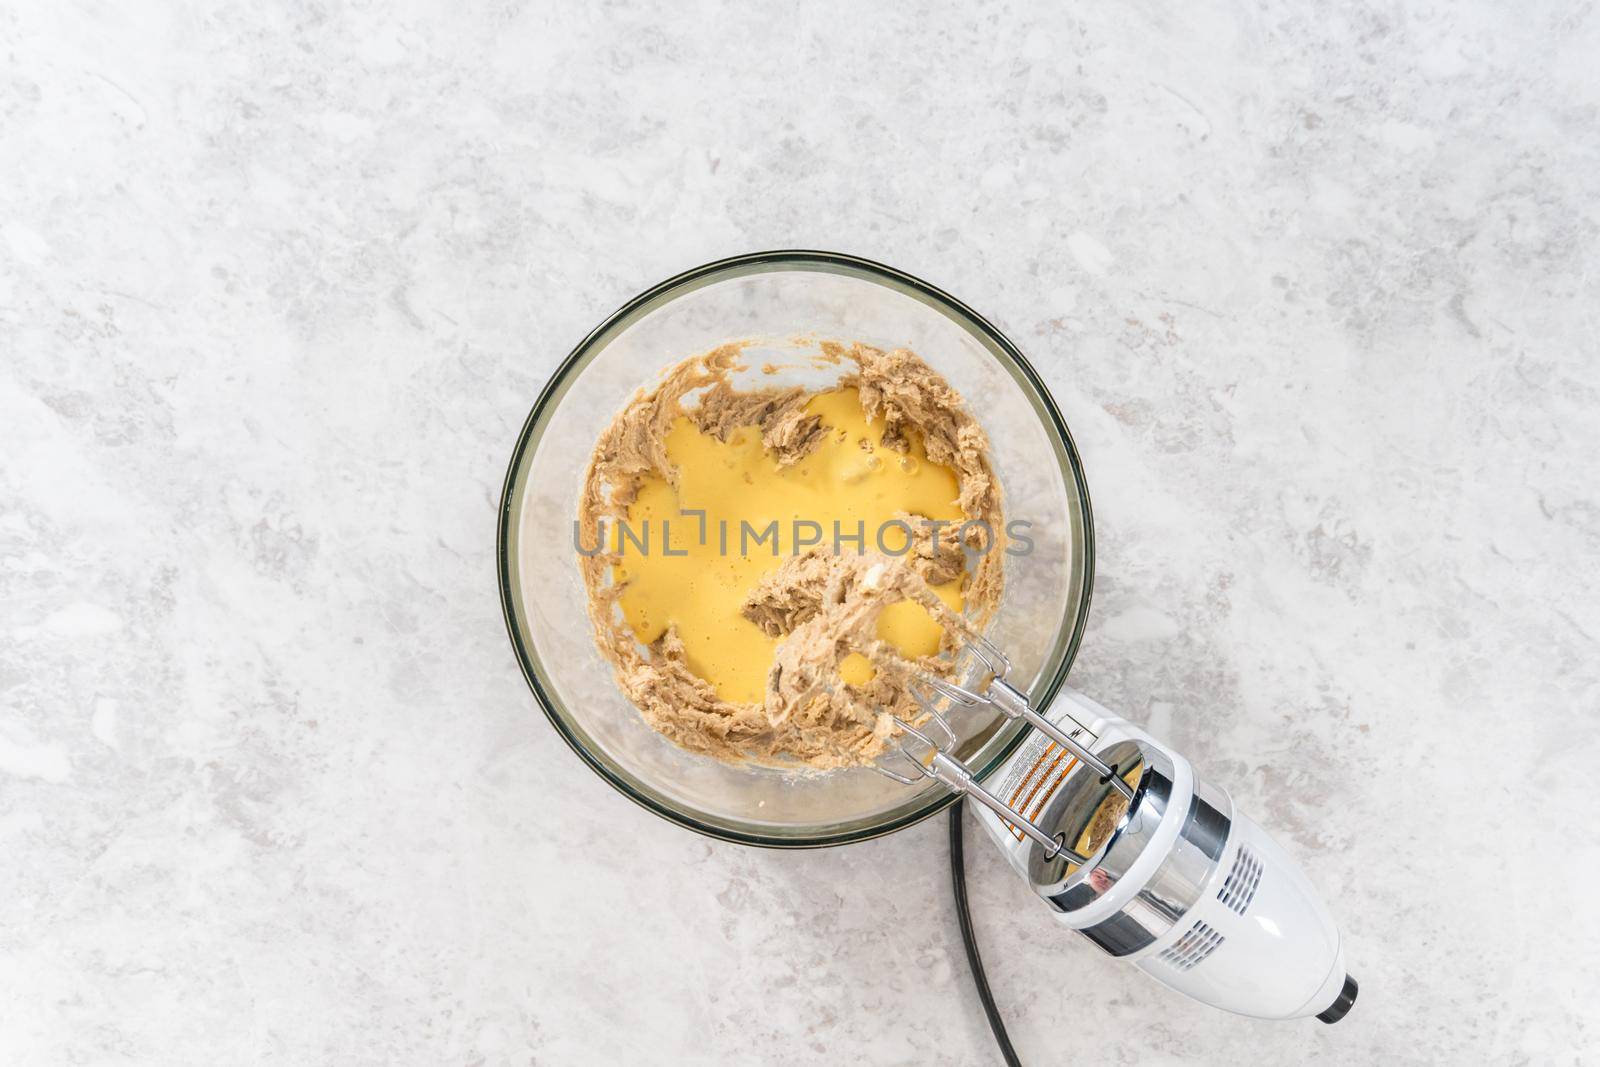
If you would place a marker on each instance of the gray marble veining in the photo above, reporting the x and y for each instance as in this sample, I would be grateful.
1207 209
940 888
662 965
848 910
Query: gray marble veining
1316 287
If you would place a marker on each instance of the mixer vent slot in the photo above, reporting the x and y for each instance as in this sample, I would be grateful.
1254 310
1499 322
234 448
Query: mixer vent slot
1240 888
1192 948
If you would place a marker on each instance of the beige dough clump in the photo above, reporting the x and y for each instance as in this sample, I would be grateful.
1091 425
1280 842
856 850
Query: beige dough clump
838 600
821 606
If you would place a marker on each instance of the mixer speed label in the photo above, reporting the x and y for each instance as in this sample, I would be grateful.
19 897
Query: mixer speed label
1037 770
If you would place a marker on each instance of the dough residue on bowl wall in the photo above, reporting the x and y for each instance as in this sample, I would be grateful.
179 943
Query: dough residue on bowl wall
813 609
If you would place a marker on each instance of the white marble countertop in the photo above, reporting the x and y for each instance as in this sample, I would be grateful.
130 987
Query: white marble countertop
1316 288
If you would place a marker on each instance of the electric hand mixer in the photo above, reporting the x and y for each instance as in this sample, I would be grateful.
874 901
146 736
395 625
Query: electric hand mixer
1136 852
1112 828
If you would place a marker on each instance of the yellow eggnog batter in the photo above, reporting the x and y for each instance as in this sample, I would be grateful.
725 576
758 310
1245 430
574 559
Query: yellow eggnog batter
849 478
718 516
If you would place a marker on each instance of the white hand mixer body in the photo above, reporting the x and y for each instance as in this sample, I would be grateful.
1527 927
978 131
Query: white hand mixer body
1211 905
1161 871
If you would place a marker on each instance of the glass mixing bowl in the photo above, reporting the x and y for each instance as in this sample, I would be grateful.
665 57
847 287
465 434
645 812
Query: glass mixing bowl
778 297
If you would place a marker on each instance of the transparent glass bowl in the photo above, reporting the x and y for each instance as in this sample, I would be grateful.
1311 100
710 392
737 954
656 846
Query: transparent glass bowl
778 297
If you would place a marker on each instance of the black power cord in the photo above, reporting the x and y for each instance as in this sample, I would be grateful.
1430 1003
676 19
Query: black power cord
958 883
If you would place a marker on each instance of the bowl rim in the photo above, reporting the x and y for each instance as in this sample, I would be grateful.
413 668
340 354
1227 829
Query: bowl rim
694 278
